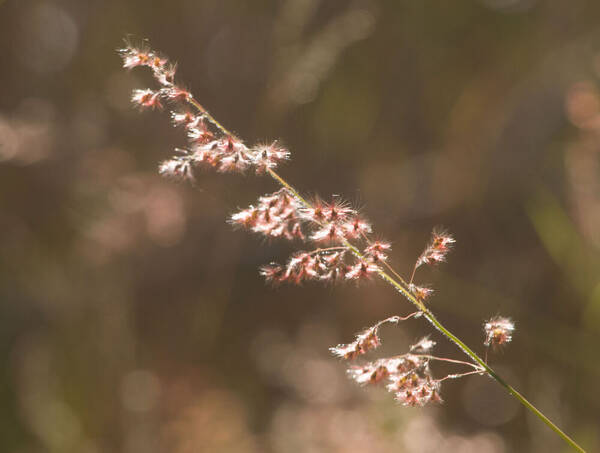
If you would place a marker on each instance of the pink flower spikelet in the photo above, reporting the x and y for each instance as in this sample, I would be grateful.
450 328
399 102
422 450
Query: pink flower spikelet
439 246
498 331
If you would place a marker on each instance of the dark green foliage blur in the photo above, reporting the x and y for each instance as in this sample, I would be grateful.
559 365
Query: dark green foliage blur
133 318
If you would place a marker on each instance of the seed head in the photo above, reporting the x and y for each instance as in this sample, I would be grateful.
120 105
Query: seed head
498 331
356 227
269 156
273 273
146 99
198 132
376 251
439 246
164 74
365 342
371 373
276 215
424 345
361 270
425 391
337 211
421 292
176 168
176 93
328 233
183 118
134 56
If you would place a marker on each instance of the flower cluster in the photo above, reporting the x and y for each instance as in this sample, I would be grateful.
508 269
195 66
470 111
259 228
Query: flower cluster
498 331
320 264
435 252
412 382
365 341
424 345
420 292
438 248
409 376
284 214
209 144
377 251
275 215
336 221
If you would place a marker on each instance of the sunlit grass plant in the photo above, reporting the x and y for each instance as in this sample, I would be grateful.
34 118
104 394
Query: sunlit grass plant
341 245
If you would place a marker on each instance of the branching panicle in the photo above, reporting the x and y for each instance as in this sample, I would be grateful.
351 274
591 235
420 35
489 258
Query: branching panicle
345 250
409 376
336 227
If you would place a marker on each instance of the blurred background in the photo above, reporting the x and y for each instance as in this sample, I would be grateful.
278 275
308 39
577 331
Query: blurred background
133 319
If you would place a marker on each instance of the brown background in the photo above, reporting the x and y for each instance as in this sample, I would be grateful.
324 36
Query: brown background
133 319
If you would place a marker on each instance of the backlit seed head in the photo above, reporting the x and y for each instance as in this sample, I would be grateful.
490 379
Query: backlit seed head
146 99
437 249
365 341
421 292
424 345
176 168
498 331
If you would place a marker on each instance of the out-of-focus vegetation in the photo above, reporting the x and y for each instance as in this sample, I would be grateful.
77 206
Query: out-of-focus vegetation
132 319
